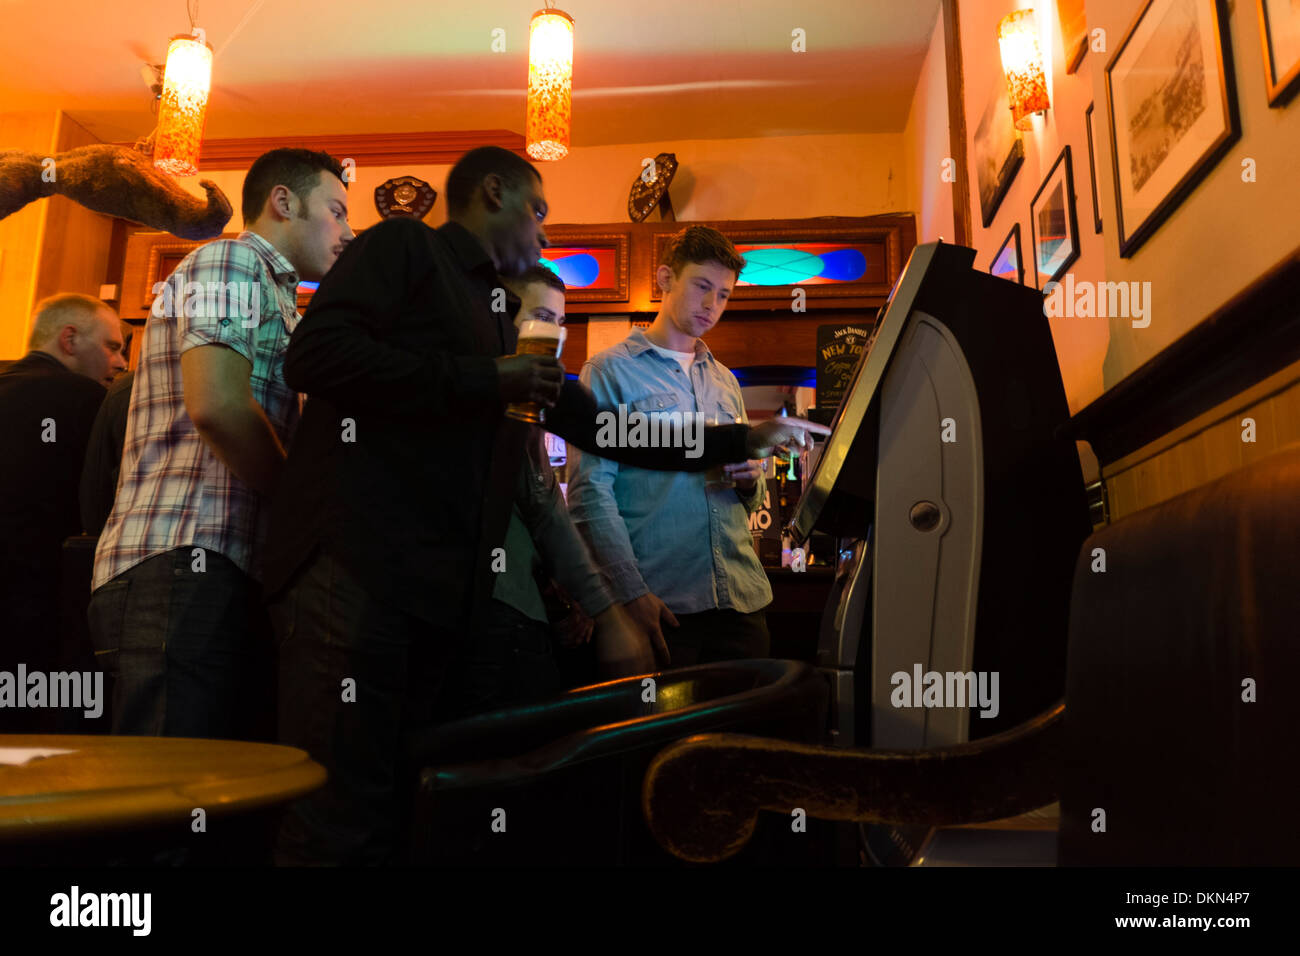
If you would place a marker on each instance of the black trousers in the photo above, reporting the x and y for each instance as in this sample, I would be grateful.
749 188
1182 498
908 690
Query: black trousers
509 662
29 635
721 634
358 678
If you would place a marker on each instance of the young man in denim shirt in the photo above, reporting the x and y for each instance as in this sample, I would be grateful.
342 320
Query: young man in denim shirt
674 547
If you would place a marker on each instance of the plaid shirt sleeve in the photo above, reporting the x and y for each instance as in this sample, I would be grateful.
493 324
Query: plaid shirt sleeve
222 300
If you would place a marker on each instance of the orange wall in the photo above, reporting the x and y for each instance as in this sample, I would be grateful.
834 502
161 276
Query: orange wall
778 177
1080 343
74 253
1227 231
770 178
926 145
1214 244
52 245
20 234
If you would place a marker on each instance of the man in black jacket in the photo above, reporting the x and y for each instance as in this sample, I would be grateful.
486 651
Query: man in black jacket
104 455
388 526
48 400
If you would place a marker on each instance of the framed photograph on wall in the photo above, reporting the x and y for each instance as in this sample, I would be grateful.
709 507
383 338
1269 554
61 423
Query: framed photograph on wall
1092 171
1279 28
595 267
1008 264
1074 31
1172 101
1053 230
999 150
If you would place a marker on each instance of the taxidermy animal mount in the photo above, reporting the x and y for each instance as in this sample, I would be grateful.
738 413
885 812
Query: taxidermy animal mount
116 181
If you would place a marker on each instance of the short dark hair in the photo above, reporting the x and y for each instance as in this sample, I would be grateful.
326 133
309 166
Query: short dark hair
470 169
298 169
541 274
698 245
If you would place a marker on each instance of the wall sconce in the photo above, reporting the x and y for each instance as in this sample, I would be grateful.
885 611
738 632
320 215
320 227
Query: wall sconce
183 109
1022 62
550 85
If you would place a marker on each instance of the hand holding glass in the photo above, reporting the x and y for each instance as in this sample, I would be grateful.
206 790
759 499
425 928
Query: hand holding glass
536 338
717 476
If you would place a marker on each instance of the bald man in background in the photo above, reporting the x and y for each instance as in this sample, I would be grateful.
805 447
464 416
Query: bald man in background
48 400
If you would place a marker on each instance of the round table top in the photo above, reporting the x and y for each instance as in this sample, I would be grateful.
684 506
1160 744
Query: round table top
112 782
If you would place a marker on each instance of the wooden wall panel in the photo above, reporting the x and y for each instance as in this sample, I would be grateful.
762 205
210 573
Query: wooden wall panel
135 272
76 245
371 149
1222 444
641 300
1125 496
53 245
957 122
738 341
1188 465
1266 433
1176 423
1285 412
752 331
1211 451
74 255
20 234
575 348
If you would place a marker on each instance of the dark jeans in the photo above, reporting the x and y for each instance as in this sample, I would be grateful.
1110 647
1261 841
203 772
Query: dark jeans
508 662
406 674
190 650
718 635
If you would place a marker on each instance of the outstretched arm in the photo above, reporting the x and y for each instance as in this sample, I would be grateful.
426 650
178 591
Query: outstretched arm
575 419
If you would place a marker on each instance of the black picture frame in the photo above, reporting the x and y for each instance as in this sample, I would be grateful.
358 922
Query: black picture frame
1074 31
1092 171
1282 88
1136 227
1013 235
998 151
1062 172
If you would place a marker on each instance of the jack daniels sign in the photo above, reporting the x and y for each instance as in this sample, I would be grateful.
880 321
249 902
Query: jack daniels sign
839 347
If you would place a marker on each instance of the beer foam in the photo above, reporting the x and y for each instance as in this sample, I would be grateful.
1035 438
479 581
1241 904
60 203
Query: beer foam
537 329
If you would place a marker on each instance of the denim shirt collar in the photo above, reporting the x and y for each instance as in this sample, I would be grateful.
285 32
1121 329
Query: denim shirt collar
638 343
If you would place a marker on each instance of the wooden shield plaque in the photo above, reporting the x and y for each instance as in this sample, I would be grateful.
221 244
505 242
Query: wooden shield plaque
403 197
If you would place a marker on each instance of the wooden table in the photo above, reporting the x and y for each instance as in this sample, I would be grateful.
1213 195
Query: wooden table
114 783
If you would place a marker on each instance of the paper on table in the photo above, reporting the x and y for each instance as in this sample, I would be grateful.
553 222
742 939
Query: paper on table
17 756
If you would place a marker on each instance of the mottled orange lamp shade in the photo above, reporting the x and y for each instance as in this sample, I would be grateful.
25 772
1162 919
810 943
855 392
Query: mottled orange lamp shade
1022 62
550 85
186 82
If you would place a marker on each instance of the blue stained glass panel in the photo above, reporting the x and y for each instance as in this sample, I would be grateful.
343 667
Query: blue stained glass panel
843 265
777 266
578 271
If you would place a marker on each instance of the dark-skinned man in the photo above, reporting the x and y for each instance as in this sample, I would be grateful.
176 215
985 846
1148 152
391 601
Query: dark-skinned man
380 558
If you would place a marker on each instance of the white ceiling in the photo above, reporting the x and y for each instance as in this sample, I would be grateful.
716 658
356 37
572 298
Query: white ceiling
643 71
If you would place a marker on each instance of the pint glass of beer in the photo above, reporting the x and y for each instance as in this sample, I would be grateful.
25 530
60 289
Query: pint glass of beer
716 478
536 338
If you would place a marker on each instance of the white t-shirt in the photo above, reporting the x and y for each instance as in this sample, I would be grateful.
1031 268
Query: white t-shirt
685 359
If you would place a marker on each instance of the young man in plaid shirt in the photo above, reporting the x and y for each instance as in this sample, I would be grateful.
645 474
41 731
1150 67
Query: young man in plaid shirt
176 612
